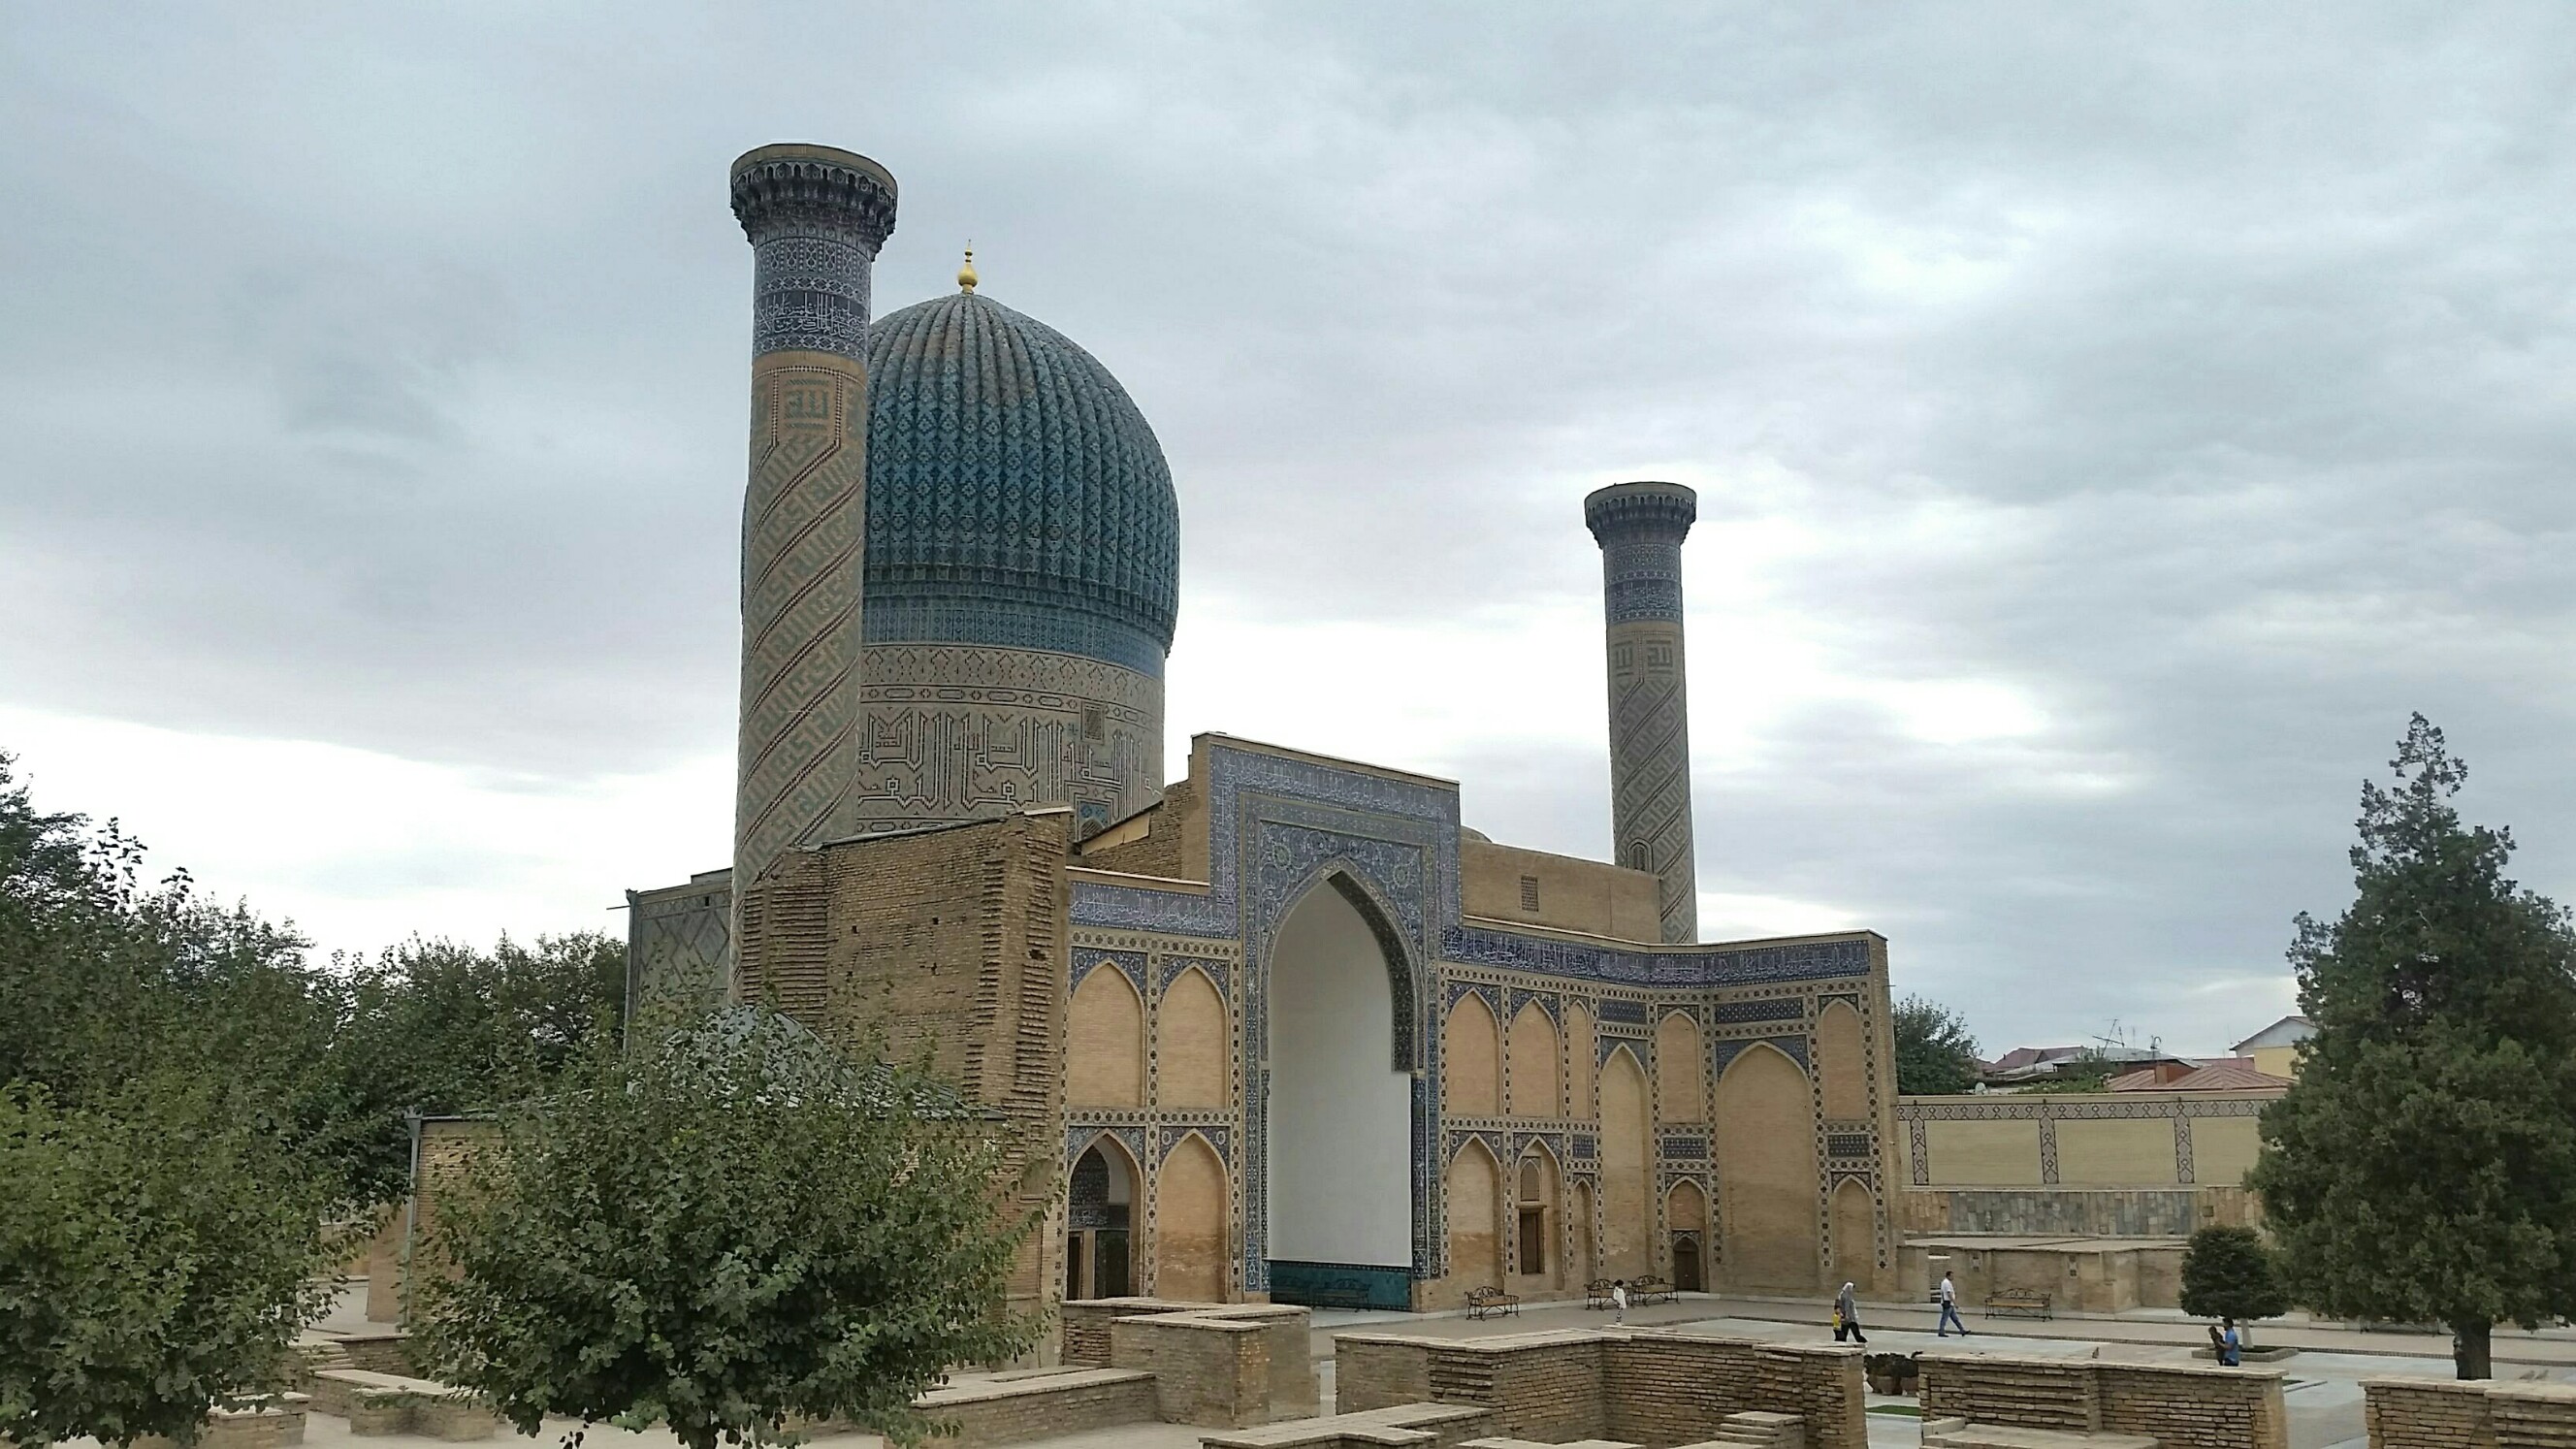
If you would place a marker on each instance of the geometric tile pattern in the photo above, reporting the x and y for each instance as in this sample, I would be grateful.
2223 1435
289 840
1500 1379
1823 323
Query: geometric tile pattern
1640 527
815 218
953 732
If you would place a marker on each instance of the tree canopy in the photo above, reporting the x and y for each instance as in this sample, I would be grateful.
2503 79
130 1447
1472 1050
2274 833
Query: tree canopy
1934 1052
723 1229
2423 1167
2227 1272
158 1254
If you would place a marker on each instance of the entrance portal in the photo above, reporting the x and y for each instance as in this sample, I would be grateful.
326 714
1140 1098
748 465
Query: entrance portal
1340 1115
1102 1204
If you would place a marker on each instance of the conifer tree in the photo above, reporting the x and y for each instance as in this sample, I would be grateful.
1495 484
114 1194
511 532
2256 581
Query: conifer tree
2424 1165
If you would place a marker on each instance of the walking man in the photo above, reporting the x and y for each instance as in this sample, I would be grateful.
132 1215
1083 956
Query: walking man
1847 1316
1950 1307
1619 1301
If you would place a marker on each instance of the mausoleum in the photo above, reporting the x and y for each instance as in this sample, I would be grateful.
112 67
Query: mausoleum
1284 1028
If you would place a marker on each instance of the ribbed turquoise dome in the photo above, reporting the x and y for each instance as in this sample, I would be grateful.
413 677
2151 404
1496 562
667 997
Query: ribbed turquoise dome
1016 496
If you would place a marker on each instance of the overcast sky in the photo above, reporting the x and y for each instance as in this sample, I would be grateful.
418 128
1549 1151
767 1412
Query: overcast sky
2109 423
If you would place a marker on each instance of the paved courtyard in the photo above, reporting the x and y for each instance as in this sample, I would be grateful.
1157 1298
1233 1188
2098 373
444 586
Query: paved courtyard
2324 1378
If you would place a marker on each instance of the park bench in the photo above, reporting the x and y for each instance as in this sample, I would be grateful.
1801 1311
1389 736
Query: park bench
2020 1305
393 1404
1596 1294
1491 1303
1650 1289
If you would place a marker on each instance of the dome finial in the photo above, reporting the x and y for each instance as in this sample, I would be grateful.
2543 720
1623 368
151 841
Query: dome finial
966 273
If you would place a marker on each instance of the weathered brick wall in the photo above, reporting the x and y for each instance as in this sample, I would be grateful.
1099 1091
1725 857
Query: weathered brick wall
1207 1370
2194 1408
2182 1407
2426 1414
1546 1386
2448 1414
946 941
2035 1393
2533 1416
1379 1371
1086 1324
1015 1411
1653 1387
1669 1388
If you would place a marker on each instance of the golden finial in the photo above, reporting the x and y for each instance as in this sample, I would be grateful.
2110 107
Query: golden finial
966 273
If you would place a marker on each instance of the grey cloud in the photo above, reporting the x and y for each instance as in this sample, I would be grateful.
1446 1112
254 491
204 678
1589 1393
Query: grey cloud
376 379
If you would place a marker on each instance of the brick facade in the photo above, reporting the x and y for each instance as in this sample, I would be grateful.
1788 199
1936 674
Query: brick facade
2448 1414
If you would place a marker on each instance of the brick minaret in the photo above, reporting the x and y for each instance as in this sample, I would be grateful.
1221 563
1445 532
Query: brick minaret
815 217
1640 527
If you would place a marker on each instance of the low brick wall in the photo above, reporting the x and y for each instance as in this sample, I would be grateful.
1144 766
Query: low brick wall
1208 1371
1652 1386
1014 1408
2450 1414
1086 1323
279 1423
2181 1407
1397 1426
377 1350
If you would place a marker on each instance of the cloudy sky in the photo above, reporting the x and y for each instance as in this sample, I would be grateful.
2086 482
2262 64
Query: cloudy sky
2109 423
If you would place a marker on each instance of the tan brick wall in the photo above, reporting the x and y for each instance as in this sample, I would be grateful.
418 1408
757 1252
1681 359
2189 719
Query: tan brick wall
2180 1407
1679 1050
2448 1414
1014 1411
948 941
2115 1153
1573 894
1207 1370
1378 1371
1648 1386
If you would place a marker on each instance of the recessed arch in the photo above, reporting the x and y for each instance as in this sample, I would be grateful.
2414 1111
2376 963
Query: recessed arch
1190 1218
1855 1227
1536 1191
1193 1043
1627 1159
1842 1062
1471 1059
1338 1109
1766 1171
1103 1198
1475 1217
1105 1042
1534 1052
1677 1069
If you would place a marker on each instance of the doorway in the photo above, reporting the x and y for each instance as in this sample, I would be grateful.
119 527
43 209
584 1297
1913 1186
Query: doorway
1099 1210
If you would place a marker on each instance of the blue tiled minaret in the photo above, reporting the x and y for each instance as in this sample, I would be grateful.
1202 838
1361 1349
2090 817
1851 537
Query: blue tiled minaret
815 217
1640 527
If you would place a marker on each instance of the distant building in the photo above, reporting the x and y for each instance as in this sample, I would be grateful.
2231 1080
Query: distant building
2275 1049
2036 1066
2218 1074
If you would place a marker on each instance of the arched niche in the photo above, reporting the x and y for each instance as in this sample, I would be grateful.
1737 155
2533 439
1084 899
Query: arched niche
1471 1059
1627 1165
1105 1042
1534 1055
1842 1063
1193 1042
1677 1069
1475 1218
1190 1220
1766 1171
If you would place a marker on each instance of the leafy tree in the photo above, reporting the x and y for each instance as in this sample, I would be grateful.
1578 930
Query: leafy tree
725 1227
2424 1165
158 1255
1934 1052
2228 1273
452 1030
